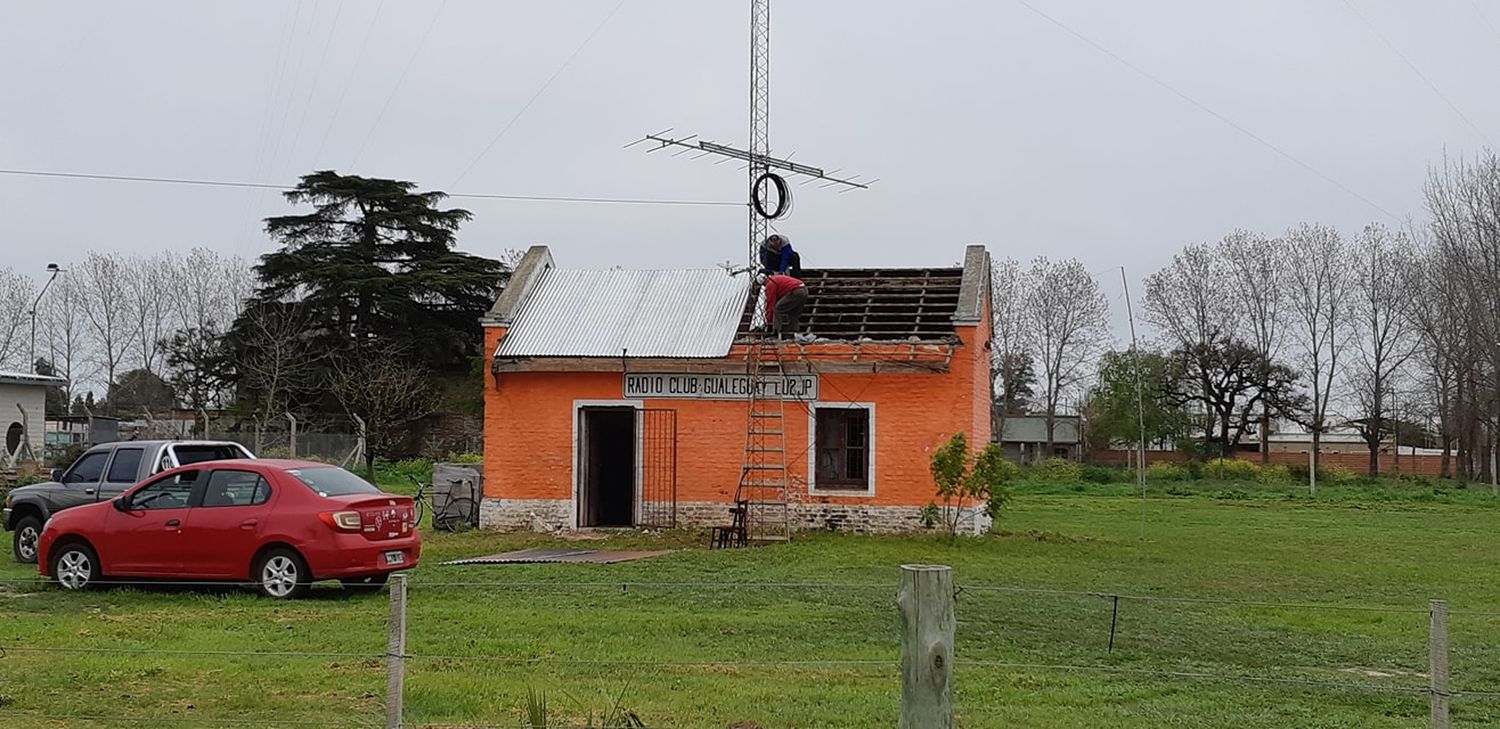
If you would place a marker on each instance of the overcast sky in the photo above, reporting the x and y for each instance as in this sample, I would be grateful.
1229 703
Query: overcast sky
985 122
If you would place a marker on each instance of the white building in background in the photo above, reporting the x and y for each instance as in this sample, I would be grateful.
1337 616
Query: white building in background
23 414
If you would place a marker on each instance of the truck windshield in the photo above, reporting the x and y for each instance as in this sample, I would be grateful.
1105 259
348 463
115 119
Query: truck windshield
333 481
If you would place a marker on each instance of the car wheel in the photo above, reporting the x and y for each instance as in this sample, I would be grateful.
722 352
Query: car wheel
282 574
28 532
368 583
75 566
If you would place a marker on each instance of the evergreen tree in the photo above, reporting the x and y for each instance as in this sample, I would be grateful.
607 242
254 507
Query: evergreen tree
374 263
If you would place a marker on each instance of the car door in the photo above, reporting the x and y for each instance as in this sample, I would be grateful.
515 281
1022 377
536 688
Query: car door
81 482
144 536
123 472
223 530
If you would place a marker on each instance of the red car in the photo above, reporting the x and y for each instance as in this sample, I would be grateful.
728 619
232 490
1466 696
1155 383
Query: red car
281 524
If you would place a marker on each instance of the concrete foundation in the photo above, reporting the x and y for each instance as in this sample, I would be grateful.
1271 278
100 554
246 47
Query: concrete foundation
549 515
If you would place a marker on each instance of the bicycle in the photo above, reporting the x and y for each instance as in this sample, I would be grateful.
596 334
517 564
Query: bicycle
456 513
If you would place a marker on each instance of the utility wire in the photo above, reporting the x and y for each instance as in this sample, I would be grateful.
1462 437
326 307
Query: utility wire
538 94
1418 71
1478 11
1206 109
348 82
272 186
399 81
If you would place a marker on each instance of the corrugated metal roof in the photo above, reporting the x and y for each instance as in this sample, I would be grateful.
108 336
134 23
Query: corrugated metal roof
675 313
27 378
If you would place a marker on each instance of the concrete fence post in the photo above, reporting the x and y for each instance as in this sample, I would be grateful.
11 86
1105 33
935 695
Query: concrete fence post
1437 662
925 601
395 654
291 435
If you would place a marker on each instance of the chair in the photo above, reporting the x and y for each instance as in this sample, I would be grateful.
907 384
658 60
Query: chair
733 535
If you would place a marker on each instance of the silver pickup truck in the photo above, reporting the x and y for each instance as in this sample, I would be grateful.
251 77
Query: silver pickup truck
100 474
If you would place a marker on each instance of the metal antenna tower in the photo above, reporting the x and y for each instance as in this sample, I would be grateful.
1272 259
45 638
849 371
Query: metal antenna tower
757 157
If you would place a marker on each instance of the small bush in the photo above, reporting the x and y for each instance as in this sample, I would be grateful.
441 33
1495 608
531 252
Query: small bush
1335 475
1164 471
467 458
1057 470
1274 474
1230 469
1104 474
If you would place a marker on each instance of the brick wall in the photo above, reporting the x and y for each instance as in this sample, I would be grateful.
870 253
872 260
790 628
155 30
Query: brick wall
1418 465
529 425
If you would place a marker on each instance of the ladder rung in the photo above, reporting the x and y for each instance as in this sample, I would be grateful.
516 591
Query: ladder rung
765 450
768 415
767 432
764 467
765 502
764 484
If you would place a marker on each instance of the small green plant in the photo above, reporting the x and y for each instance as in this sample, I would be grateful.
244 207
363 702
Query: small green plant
1336 475
536 709
1164 471
468 458
539 714
964 478
1274 474
1057 470
1104 474
930 515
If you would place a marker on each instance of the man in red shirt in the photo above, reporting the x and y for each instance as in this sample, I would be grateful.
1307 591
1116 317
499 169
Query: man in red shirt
785 299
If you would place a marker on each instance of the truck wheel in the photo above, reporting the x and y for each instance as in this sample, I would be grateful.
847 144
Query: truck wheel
28 533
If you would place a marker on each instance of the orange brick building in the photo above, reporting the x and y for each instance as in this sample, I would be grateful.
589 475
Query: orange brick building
619 398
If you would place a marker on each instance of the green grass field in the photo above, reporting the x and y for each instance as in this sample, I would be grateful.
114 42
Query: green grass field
739 635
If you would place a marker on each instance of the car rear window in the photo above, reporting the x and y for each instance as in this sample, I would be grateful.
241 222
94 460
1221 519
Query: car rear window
190 454
333 481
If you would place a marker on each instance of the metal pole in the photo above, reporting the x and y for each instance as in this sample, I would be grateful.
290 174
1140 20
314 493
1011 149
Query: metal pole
395 654
38 302
1437 663
1140 407
925 601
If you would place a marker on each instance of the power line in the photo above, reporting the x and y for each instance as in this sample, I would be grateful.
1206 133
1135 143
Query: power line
1417 71
1485 18
539 92
399 81
348 81
271 186
1206 109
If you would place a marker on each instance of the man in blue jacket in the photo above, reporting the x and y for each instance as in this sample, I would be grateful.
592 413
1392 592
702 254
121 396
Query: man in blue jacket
777 256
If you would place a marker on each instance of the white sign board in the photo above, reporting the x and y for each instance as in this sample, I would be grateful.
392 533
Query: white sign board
655 385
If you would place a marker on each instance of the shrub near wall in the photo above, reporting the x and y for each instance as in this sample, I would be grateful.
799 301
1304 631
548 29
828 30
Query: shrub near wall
1057 470
1163 471
1230 469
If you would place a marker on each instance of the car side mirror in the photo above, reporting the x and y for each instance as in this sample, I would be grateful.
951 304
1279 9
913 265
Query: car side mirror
56 475
120 504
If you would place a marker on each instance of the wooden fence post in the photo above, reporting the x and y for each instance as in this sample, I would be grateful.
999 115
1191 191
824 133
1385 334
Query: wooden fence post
395 654
1437 663
925 601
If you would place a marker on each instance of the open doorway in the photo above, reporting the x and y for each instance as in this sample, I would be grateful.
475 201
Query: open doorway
606 454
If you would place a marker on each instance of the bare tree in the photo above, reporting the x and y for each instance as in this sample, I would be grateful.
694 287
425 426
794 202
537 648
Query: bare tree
1385 285
275 360
152 285
1189 302
1442 346
63 333
107 309
16 292
1008 355
1256 266
387 391
1318 289
1067 327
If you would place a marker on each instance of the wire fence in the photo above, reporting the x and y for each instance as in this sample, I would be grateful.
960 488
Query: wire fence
692 653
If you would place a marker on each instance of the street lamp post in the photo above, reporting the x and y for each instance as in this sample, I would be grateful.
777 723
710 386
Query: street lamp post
54 270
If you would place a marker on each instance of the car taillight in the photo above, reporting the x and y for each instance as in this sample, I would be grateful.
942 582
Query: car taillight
344 521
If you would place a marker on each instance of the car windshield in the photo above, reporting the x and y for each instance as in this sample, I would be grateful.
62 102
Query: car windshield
332 481
187 455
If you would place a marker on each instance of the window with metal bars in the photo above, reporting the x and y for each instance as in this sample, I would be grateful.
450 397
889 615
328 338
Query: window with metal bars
843 449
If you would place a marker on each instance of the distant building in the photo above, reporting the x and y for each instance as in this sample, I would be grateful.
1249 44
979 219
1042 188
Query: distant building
71 431
1024 437
23 408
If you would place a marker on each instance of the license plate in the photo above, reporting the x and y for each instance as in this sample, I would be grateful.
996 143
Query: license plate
395 557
